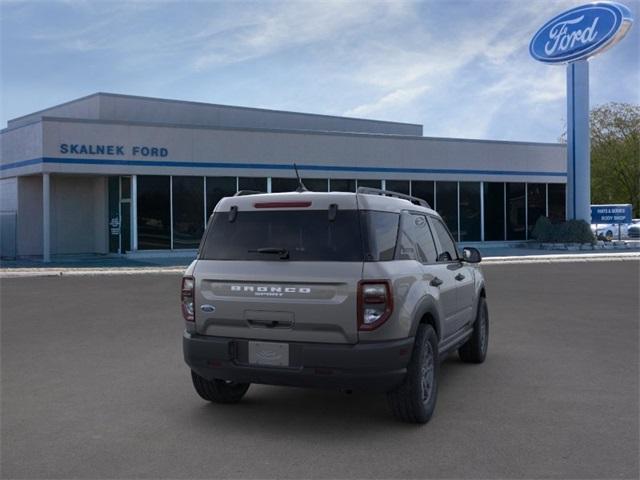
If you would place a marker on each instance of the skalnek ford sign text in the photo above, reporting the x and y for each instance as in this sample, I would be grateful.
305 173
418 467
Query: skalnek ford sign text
112 150
581 32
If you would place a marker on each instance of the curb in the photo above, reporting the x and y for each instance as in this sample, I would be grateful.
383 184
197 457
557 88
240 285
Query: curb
514 260
77 272
563 258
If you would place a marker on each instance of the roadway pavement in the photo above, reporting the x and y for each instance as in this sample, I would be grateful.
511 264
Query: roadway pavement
94 386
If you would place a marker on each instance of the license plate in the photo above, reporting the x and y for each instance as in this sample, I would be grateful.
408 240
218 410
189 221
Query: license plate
269 353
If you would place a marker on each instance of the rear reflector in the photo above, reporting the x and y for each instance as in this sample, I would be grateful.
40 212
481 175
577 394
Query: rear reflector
282 205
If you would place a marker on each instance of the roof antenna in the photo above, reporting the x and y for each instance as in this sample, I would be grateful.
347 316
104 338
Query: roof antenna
301 187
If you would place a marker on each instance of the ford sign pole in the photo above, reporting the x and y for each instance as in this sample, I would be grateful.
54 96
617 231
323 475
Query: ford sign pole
571 38
578 142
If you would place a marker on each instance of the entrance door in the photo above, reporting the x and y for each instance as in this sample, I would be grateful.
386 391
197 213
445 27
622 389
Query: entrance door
119 214
125 226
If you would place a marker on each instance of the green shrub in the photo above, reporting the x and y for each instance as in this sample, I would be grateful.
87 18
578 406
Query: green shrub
572 231
542 230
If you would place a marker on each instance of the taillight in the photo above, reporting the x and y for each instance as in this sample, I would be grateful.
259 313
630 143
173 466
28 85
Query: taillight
375 303
186 298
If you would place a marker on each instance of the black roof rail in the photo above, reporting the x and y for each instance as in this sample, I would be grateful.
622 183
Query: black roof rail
242 193
389 193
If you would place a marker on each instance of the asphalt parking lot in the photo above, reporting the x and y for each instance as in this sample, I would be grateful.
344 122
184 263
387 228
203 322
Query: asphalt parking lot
94 386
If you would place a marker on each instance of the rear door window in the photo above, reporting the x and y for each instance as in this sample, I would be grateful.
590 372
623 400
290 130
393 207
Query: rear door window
305 236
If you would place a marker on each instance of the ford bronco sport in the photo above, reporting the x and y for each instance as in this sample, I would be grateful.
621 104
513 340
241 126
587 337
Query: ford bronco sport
361 290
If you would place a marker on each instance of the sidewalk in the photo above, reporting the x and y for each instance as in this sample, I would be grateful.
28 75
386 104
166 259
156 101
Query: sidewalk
489 252
115 265
92 265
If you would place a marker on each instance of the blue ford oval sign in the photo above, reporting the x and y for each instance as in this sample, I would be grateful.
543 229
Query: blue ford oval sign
581 32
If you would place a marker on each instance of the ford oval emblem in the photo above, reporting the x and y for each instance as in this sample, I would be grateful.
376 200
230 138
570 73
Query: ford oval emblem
208 308
581 32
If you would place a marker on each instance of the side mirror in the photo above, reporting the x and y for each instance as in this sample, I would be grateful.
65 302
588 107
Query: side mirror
444 257
471 255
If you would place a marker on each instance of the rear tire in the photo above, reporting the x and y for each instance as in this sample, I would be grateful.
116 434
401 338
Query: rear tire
219 391
415 399
474 350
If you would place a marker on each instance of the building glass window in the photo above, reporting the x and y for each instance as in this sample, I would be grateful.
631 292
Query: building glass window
188 215
370 183
283 185
154 212
536 203
217 189
316 184
125 185
493 211
557 202
516 226
470 211
342 185
400 186
423 189
258 184
447 205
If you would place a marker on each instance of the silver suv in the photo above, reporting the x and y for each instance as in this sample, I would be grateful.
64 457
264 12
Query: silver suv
361 291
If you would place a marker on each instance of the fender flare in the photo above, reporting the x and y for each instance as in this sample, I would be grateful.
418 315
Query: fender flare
427 306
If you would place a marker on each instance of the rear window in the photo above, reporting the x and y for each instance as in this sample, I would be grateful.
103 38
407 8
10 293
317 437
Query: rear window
305 236
296 235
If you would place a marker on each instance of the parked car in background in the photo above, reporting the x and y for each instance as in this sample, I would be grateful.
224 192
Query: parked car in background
634 229
610 231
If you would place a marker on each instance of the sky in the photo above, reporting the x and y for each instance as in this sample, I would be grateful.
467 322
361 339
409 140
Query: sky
460 68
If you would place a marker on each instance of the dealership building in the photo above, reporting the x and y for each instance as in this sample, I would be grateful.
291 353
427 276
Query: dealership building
120 174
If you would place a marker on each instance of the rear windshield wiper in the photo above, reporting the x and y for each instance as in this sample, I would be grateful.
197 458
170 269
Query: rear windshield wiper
283 252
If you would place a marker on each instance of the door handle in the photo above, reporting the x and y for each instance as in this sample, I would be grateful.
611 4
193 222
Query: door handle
436 282
459 277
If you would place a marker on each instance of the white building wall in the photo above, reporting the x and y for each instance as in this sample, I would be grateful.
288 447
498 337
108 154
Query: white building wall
253 148
8 216
29 225
9 194
22 143
78 215
86 107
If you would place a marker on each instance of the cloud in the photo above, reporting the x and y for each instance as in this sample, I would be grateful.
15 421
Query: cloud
460 68
287 25
395 99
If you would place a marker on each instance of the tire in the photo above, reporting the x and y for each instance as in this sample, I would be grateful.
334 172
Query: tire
474 350
219 391
415 399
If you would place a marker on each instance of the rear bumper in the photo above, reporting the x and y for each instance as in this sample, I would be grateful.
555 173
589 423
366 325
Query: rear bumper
375 366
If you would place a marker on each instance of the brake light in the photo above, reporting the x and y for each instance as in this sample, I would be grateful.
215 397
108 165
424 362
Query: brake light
186 298
282 204
375 303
